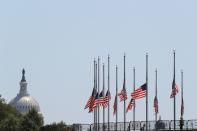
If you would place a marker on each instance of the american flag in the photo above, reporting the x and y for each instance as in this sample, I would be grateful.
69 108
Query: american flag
90 99
115 105
139 92
123 93
107 98
182 107
96 101
156 106
131 104
101 98
175 89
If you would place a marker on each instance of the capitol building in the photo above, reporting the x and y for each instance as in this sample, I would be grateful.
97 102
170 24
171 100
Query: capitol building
23 102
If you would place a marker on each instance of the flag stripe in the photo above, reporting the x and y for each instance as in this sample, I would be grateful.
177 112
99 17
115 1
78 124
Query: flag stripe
130 105
122 95
106 99
156 106
115 105
139 92
91 99
96 101
174 91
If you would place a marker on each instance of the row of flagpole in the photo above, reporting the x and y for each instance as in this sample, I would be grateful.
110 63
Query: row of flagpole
98 98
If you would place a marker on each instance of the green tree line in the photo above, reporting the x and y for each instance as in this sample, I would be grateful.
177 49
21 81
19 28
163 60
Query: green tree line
12 120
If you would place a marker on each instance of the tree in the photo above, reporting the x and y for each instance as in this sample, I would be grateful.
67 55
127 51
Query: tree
11 123
60 126
10 118
32 121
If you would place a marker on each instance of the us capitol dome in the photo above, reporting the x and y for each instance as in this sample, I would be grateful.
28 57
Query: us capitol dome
23 102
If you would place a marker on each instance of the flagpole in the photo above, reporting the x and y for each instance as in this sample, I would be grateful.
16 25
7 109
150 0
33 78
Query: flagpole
103 96
147 92
182 85
134 99
98 90
124 98
94 87
182 106
96 109
116 98
156 92
108 90
174 96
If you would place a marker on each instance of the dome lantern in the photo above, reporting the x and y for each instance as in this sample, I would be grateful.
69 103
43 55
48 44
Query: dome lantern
23 102
23 85
23 76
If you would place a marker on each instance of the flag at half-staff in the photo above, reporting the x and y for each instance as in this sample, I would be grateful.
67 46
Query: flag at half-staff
140 92
91 99
123 94
130 105
156 106
96 101
106 99
115 105
175 89
101 98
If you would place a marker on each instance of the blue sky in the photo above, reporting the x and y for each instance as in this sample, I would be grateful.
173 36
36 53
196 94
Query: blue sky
57 41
